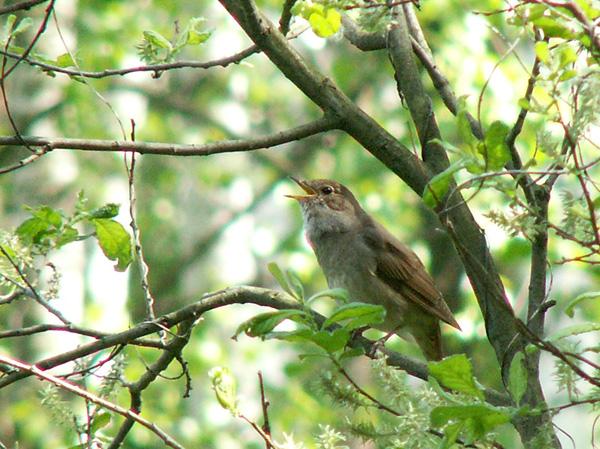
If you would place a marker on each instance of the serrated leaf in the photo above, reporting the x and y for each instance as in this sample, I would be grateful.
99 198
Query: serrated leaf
455 372
576 329
517 377
334 293
356 314
570 308
496 151
262 324
30 230
114 241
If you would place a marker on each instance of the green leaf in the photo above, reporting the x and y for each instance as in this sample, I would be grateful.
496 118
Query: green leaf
281 279
569 309
495 149
554 27
524 103
49 215
478 419
464 127
566 56
334 293
351 353
64 60
438 186
331 341
542 51
451 432
325 23
295 285
224 386
69 234
157 39
109 210
30 230
262 324
357 314
100 421
114 241
455 372
517 377
576 329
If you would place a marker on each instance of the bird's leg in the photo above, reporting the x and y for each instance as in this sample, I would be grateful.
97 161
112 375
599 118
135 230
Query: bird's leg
380 343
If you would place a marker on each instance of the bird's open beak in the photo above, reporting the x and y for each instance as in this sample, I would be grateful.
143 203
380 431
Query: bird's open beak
308 189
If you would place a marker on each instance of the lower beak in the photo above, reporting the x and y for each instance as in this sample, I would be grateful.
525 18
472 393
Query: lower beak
308 189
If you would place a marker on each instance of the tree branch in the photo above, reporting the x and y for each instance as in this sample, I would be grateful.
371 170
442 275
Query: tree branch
325 123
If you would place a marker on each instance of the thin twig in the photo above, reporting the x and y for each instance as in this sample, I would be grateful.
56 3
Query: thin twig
34 370
265 406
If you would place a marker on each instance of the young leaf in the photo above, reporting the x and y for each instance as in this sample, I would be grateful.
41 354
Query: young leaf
455 372
517 377
494 148
334 293
437 187
478 418
114 241
296 285
325 23
357 314
262 324
157 39
224 386
331 341
109 210
280 277
100 421
576 329
570 308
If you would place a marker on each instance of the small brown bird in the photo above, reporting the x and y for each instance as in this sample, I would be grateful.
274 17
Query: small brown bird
360 255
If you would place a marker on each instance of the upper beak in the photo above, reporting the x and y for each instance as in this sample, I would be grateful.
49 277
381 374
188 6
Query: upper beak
308 189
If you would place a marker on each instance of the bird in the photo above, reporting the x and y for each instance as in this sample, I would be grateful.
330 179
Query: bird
360 255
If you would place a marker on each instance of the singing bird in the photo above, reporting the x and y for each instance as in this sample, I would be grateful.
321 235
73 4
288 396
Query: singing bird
357 253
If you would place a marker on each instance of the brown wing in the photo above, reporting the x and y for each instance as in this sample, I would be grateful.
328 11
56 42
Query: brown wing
400 268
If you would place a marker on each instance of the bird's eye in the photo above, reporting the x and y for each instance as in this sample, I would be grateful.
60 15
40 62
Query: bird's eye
327 190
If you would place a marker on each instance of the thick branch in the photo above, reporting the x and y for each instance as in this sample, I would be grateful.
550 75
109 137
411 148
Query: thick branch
323 92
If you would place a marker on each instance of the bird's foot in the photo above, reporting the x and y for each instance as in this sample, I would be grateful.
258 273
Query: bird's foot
379 345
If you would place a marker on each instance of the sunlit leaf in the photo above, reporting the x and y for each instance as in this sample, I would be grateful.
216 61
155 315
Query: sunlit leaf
455 372
114 241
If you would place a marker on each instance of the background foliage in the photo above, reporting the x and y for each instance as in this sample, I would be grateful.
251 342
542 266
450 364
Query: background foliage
207 223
